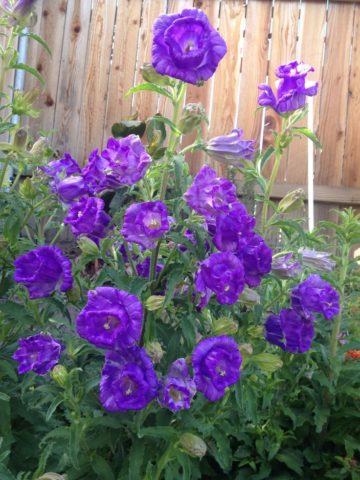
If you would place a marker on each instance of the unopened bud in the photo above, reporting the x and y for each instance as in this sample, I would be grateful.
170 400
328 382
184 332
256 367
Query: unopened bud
39 146
27 189
193 445
224 326
59 374
250 297
192 115
87 246
246 349
155 302
73 294
51 476
292 201
155 351
149 74
268 362
20 138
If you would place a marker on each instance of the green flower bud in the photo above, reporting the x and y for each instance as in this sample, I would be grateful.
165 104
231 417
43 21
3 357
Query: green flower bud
268 362
193 445
22 103
20 138
88 247
27 189
149 74
51 476
73 294
246 349
250 297
192 115
39 146
224 326
154 351
292 201
59 374
155 302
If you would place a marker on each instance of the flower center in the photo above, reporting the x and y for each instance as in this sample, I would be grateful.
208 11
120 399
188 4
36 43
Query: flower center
175 394
221 371
129 387
79 213
188 47
111 322
153 223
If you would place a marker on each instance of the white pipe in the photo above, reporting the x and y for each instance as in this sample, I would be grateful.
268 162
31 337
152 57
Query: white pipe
310 163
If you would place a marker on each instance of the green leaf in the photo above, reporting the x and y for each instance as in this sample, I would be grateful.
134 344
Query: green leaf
265 157
268 362
38 39
165 433
74 444
31 70
150 87
5 474
293 459
4 397
172 281
53 406
12 227
102 468
168 123
136 458
222 452
128 127
321 414
309 134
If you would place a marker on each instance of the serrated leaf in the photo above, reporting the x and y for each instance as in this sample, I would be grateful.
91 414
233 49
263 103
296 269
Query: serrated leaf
321 414
293 459
150 87
102 468
222 452
309 134
37 39
53 406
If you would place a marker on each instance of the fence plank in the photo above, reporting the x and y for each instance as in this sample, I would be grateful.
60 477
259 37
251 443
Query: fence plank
254 66
93 108
122 69
334 94
201 94
227 77
73 60
146 102
283 50
351 176
311 48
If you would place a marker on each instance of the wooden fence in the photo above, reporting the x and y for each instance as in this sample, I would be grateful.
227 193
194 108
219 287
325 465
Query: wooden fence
98 47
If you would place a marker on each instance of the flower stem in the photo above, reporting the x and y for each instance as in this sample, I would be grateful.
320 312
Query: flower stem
153 261
3 170
58 233
269 187
131 261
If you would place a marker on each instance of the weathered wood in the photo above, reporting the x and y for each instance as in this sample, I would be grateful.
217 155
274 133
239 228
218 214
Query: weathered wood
351 176
93 108
334 94
227 77
311 49
122 69
71 78
322 193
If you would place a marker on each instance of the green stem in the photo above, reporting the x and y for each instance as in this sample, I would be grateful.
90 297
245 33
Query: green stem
269 187
58 233
131 261
153 261
3 170
337 321
33 208
164 460
16 180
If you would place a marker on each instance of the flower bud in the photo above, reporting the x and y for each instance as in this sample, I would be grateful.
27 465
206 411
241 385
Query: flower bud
318 260
88 247
39 146
73 294
268 362
246 349
292 201
150 75
155 302
22 103
250 297
51 476
224 326
59 374
20 138
154 351
192 115
284 267
193 445
27 189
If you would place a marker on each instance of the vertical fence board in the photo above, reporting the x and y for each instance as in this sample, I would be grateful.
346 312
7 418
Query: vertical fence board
122 69
283 50
256 46
311 52
201 94
334 94
146 102
227 78
73 60
351 170
93 108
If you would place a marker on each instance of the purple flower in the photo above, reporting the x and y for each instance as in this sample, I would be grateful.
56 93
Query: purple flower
128 380
233 229
284 267
143 269
87 217
216 363
71 188
178 388
316 295
318 260
127 161
43 270
94 172
145 223
111 319
256 257
290 331
210 195
292 88
223 274
39 353
62 168
186 46
231 149
19 8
